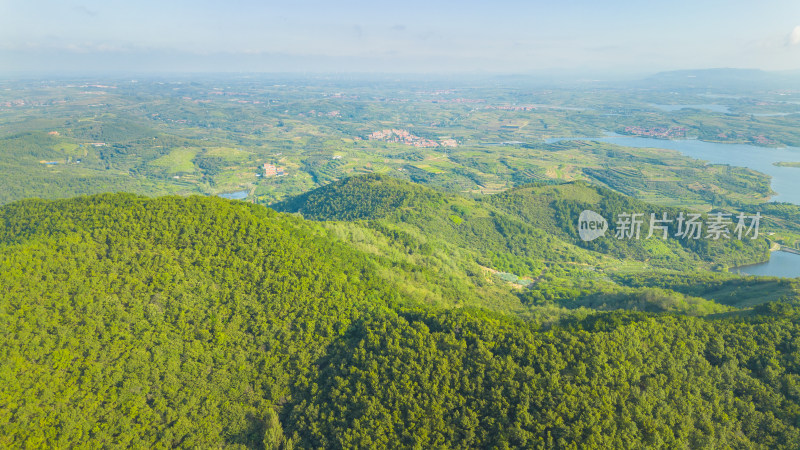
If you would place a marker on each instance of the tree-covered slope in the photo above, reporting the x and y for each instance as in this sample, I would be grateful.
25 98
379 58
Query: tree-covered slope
203 323
362 197
457 240
533 222
556 208
613 381
127 321
529 234
400 207
26 173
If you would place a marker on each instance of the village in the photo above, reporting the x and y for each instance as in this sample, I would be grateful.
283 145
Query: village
400 136
658 132
271 170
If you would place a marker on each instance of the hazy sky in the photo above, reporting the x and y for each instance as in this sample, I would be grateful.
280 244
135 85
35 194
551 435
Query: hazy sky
412 36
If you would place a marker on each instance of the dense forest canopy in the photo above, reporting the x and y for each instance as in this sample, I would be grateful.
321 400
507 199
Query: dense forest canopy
203 322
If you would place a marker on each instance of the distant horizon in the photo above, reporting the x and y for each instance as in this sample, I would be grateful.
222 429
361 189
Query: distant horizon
576 74
504 37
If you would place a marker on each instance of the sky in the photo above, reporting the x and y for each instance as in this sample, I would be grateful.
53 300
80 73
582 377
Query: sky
345 36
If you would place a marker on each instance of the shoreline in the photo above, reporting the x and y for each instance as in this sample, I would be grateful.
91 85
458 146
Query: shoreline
737 269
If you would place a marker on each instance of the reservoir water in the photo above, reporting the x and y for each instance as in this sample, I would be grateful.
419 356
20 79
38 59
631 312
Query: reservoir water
238 195
785 180
780 264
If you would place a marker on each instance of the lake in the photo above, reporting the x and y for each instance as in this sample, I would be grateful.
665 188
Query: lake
785 180
238 195
780 264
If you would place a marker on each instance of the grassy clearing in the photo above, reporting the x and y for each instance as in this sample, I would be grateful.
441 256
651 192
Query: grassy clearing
69 149
428 168
178 160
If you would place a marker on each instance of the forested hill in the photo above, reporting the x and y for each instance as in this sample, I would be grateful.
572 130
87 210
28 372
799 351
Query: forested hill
544 213
172 321
370 196
555 209
529 236
205 323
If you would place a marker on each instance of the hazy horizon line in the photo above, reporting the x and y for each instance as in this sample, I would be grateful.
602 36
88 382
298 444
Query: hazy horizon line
582 73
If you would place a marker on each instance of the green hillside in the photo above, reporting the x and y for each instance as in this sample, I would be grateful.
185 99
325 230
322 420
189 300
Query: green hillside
370 196
202 322
171 322
616 381
556 209
536 213
406 269
456 241
527 237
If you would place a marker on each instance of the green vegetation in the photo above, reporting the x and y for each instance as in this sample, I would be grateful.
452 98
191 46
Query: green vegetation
169 322
726 289
366 197
528 232
419 287
177 161
202 322
25 172
193 137
787 164
613 381
556 208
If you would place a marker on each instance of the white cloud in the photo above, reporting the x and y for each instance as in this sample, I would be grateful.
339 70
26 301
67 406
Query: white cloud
794 36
